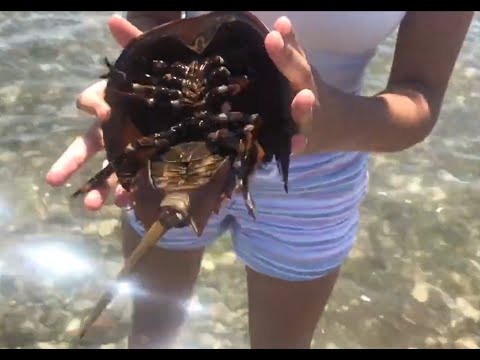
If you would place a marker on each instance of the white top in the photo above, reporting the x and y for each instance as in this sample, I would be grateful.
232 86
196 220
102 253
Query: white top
339 44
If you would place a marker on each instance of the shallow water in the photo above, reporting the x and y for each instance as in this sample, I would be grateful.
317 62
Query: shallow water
413 279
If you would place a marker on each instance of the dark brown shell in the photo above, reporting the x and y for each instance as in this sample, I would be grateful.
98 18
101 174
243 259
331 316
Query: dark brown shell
236 36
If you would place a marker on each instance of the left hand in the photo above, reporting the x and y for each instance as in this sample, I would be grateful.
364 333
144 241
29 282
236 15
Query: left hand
291 60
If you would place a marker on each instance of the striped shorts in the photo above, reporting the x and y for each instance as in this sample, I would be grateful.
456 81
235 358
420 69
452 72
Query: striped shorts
297 236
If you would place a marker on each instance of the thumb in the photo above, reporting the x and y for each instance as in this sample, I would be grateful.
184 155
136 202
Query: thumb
122 30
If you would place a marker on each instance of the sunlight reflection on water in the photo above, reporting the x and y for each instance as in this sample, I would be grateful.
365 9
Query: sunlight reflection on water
59 260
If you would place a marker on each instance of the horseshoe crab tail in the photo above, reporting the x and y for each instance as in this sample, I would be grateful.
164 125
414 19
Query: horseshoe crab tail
173 213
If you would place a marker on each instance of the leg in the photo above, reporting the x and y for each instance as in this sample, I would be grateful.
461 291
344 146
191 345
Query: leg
293 253
96 181
284 314
249 160
241 144
167 279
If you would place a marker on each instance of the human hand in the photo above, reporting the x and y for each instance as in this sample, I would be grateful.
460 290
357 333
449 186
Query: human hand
91 100
290 59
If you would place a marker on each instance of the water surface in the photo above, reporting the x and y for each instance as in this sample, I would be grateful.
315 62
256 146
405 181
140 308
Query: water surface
413 279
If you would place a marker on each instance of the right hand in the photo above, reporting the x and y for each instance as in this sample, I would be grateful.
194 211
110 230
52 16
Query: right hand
91 100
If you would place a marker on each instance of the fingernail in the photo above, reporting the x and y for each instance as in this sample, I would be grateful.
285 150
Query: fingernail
305 117
118 16
54 168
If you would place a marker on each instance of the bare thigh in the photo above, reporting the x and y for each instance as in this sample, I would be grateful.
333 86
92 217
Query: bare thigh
284 314
166 280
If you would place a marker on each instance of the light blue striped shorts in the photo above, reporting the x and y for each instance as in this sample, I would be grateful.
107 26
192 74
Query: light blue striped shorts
297 236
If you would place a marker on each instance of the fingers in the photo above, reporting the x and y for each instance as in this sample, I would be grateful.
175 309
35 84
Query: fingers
82 149
92 101
302 113
95 199
122 197
122 30
285 51
285 28
302 107
287 55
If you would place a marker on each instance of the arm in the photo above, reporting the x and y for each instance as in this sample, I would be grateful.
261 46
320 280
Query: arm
406 111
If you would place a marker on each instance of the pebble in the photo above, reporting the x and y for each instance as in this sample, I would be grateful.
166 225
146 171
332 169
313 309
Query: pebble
420 292
476 265
365 298
414 186
219 328
442 340
220 311
207 340
9 94
73 326
38 161
430 341
90 229
438 194
227 258
354 302
227 344
470 72
7 156
83 305
357 253
28 325
208 265
31 153
465 342
208 295
107 227
46 345
467 309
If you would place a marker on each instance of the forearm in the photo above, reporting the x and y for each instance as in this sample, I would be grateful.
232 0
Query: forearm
394 120
428 45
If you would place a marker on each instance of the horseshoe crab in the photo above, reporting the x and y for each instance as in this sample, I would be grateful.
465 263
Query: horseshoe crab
199 103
